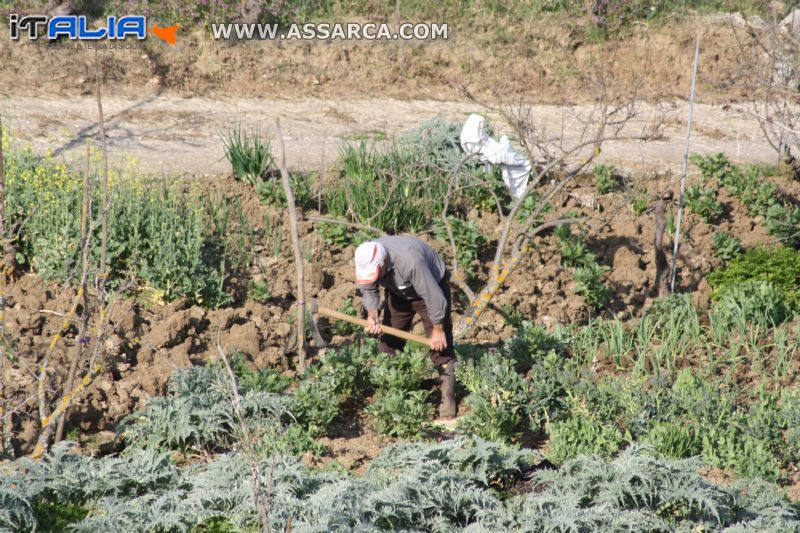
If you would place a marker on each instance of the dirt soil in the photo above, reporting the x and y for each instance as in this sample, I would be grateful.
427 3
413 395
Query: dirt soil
150 342
173 135
503 59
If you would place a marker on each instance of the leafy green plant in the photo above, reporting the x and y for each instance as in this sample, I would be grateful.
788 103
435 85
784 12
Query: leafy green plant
314 405
498 396
753 302
347 368
726 246
605 178
248 153
778 266
57 516
400 413
750 457
270 191
573 248
715 167
259 380
589 284
341 235
759 196
674 440
404 370
639 203
258 291
486 197
512 316
783 221
581 435
703 202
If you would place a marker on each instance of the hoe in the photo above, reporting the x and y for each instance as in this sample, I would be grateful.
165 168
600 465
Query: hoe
316 309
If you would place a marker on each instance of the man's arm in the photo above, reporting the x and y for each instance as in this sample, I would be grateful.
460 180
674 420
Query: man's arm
370 295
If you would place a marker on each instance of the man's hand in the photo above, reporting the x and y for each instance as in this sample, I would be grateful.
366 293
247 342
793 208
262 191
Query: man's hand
438 340
373 327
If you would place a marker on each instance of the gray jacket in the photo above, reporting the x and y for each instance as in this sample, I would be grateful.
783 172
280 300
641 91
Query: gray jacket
414 271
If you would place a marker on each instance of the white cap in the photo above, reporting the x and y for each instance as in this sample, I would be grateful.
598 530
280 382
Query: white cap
369 258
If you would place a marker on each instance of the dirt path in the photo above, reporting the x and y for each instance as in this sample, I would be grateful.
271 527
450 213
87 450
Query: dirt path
171 134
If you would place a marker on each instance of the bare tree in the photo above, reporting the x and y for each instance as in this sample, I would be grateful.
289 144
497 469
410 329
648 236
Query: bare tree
6 265
86 313
248 448
769 56
104 215
558 161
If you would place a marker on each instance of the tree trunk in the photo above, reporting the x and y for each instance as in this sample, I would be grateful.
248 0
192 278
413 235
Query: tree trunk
662 265
80 341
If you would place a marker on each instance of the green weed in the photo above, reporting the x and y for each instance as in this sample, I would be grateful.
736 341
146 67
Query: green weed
726 246
248 153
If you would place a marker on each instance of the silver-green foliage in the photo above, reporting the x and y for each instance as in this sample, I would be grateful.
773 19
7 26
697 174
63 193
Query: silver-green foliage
455 484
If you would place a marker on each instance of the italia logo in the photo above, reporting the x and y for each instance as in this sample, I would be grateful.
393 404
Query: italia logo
76 27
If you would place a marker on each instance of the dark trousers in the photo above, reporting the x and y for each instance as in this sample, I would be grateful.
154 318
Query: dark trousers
398 312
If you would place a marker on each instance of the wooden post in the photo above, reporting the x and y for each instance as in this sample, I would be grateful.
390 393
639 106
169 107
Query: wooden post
298 253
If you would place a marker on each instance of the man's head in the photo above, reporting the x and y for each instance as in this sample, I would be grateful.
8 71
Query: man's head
370 259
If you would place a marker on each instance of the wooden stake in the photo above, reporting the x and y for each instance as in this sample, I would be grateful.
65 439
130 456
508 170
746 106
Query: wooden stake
298 253
685 169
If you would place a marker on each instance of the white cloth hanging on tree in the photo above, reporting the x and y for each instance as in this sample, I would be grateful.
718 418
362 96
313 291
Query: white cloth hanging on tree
516 167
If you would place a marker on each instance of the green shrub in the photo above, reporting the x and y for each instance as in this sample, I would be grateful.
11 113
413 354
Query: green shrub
347 367
258 291
403 371
726 246
779 266
315 403
248 153
270 191
704 203
403 187
589 284
753 302
604 174
729 448
175 239
499 396
401 413
675 440
581 435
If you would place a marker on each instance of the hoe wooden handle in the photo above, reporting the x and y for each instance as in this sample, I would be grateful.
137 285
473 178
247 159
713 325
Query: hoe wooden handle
385 329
